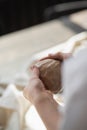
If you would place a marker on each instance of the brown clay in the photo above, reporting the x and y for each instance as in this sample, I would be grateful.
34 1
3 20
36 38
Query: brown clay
50 74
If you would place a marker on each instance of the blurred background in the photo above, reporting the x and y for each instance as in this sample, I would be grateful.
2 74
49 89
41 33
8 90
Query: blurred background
20 14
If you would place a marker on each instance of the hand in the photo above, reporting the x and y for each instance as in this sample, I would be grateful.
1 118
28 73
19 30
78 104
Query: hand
43 101
35 90
57 56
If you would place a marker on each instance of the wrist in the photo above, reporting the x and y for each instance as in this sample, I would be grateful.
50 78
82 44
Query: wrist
46 106
41 98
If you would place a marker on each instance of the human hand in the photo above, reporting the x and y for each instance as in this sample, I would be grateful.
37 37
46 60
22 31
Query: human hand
35 91
57 56
43 101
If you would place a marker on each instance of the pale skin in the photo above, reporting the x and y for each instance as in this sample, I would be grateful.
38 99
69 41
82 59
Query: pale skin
43 99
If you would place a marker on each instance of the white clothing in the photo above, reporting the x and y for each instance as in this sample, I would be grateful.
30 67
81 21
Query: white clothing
74 74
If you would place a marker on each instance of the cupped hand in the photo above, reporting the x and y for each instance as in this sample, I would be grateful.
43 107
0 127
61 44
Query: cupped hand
35 89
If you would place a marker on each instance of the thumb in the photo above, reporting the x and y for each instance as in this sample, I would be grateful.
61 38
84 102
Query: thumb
36 72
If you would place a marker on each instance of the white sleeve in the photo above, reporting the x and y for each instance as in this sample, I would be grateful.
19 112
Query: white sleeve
74 74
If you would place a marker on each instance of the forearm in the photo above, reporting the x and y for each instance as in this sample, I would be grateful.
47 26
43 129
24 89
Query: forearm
48 111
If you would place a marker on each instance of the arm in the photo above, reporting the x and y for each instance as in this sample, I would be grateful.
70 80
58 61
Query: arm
48 111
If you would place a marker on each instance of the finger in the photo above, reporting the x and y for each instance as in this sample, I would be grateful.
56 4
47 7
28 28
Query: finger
56 56
52 56
60 56
31 67
35 72
44 58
